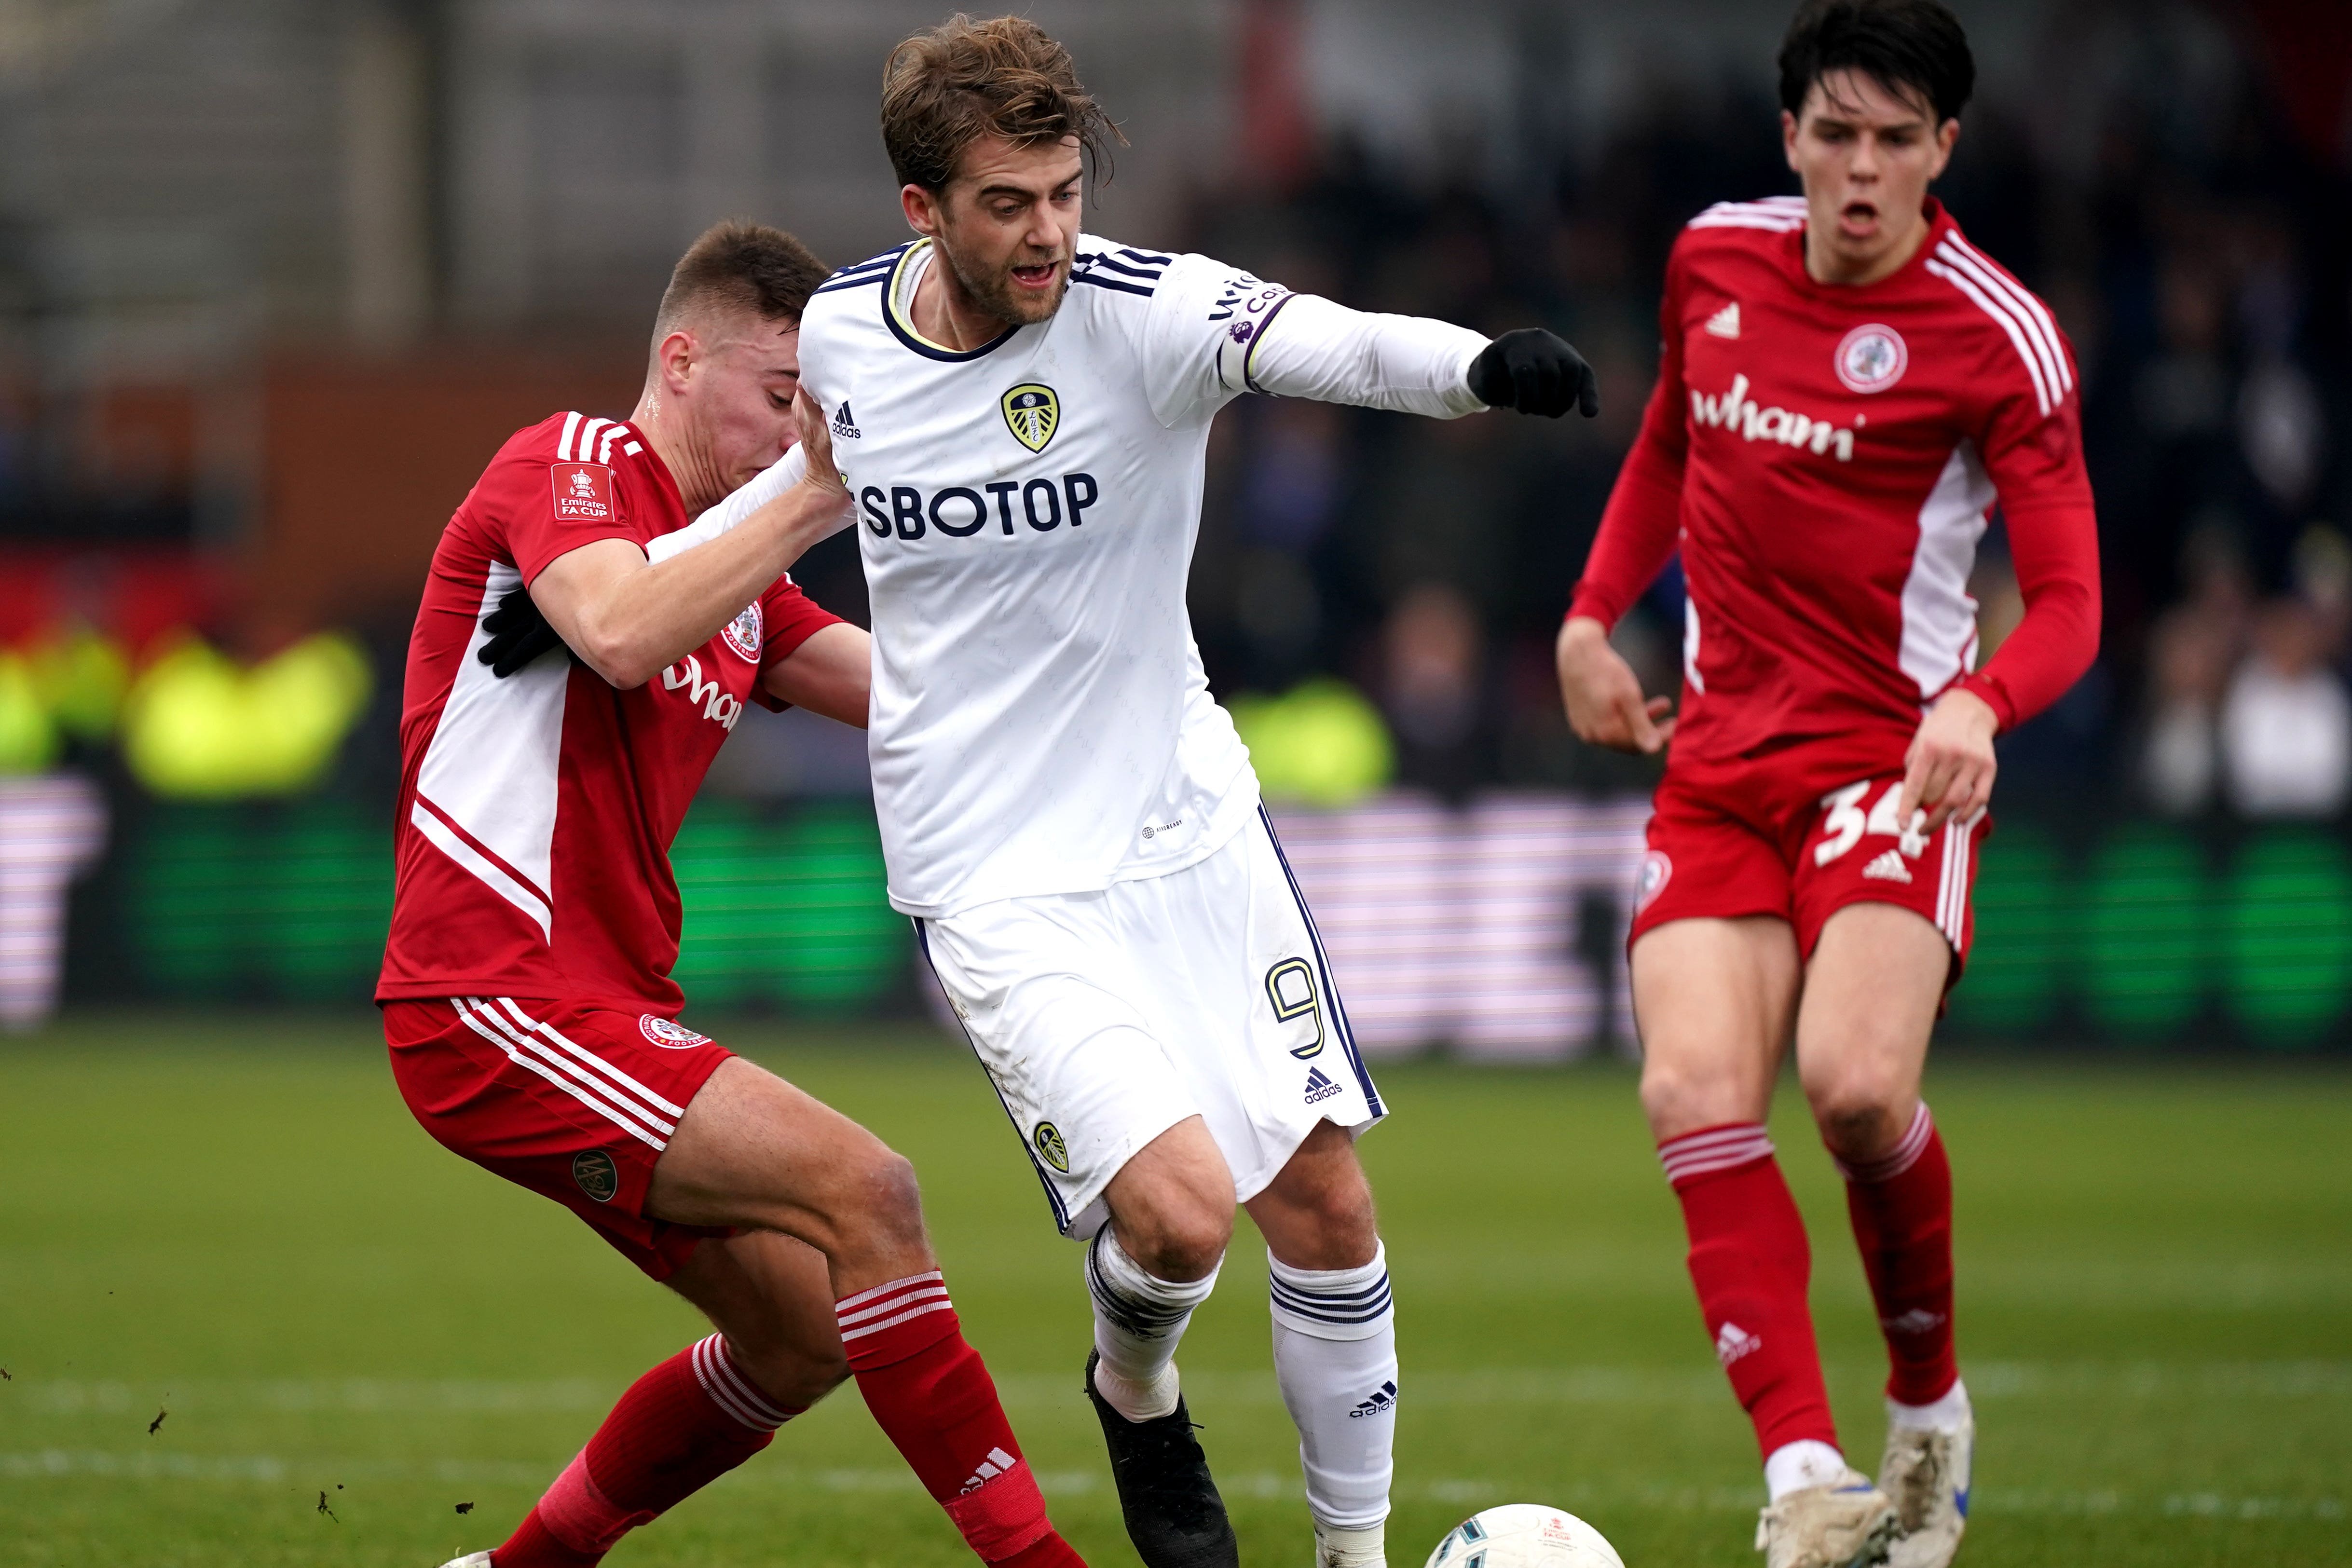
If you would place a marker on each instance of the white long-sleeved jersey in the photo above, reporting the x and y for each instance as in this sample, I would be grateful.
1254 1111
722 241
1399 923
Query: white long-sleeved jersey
1027 511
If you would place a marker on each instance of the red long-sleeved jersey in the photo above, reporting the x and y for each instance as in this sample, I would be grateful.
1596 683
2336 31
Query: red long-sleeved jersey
1826 456
532 852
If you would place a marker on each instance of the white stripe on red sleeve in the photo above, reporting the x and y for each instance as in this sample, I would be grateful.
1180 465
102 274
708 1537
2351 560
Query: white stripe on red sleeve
2008 324
2021 307
2037 314
586 450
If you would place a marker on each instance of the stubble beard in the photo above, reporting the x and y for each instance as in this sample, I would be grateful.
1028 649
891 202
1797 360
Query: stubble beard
994 294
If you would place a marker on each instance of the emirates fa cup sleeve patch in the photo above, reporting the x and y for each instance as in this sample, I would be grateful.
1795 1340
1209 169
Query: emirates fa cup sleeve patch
583 492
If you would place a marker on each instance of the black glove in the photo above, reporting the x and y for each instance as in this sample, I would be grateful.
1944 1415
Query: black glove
519 634
1534 371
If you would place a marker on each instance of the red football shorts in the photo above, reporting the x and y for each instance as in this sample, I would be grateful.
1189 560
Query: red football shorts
1799 834
574 1102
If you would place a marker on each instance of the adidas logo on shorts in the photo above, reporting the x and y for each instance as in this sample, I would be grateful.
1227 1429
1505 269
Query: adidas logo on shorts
1382 1401
1318 1087
1888 867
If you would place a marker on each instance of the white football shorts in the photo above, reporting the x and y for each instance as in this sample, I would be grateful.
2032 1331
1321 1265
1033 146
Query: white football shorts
1104 1019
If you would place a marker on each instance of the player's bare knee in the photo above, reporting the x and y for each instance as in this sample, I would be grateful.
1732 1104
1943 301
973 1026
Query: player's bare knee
890 1200
1337 1228
1675 1101
1331 1199
1188 1250
1860 1111
1343 1209
1179 1239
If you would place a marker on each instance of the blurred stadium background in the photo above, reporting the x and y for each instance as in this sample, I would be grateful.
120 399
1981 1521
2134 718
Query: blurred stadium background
275 279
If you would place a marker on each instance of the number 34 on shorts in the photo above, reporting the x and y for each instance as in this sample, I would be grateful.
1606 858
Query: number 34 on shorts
1860 849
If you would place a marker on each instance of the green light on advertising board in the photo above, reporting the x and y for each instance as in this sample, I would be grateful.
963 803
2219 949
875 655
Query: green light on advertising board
2146 916
2286 940
2025 926
790 911
291 902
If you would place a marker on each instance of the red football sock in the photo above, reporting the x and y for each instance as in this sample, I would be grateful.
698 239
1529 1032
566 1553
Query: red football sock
1902 1209
1749 1260
932 1392
679 1427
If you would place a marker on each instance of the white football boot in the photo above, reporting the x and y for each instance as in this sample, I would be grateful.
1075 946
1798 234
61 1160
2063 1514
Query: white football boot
472 1560
1337 1548
1925 1473
1848 1523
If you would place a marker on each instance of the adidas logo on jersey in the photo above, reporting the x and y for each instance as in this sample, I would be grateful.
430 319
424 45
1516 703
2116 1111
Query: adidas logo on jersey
1888 867
1318 1087
1724 323
1736 411
1382 1401
995 1465
1734 1342
845 427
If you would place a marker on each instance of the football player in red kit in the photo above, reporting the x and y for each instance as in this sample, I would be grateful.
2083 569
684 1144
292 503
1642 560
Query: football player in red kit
1848 386
526 989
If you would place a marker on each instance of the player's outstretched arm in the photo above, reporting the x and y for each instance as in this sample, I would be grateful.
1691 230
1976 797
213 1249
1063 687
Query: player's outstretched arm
1308 347
1605 706
831 673
629 618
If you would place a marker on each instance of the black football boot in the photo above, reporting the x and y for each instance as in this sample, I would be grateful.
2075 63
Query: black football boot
1173 1513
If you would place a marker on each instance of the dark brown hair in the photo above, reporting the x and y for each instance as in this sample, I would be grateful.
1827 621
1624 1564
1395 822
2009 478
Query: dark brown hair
741 267
1913 48
946 87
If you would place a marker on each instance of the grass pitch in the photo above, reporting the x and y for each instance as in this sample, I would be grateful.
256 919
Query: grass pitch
230 1226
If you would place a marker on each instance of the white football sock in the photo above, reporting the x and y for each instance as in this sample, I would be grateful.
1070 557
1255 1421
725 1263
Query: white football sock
1138 1318
1365 1548
1335 1359
1806 1462
1946 1415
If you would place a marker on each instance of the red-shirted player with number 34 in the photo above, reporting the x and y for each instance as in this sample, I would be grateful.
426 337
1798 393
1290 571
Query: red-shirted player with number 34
1848 386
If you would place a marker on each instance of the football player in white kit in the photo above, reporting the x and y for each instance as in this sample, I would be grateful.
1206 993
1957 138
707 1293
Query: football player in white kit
1022 411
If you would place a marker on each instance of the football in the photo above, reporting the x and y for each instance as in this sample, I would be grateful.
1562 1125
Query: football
1524 1535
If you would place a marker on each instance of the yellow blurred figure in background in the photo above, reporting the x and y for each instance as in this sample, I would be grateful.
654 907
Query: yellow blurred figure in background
28 737
1321 742
197 726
